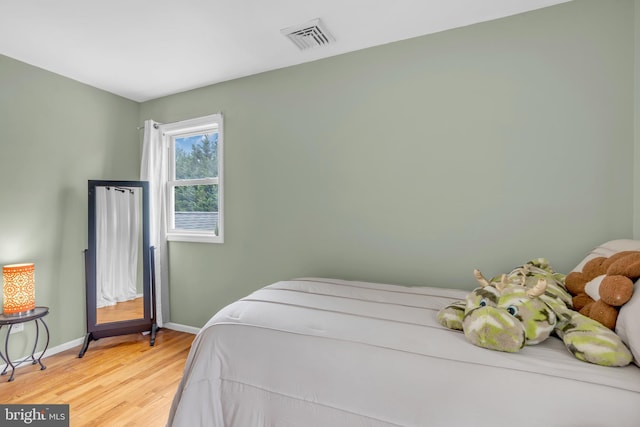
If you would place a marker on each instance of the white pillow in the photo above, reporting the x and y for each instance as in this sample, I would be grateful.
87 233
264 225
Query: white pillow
609 248
628 323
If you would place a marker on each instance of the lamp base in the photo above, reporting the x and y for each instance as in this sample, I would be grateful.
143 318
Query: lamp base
20 314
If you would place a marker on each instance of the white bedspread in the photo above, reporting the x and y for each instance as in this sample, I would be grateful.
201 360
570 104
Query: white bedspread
325 352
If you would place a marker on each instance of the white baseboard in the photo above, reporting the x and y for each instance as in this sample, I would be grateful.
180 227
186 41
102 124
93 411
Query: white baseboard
181 328
65 346
51 351
79 341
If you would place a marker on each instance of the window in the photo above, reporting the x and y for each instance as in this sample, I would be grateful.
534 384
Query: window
194 181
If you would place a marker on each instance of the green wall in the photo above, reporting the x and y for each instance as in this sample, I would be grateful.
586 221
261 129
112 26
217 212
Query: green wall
412 162
415 162
55 134
636 115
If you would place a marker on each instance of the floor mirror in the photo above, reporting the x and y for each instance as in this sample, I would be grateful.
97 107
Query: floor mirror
119 261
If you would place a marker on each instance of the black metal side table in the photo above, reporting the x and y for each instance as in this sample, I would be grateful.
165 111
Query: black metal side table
36 315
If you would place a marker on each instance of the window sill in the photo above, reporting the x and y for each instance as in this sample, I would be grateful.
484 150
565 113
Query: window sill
194 238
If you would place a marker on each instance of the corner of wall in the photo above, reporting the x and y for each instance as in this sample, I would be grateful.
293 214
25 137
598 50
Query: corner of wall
636 114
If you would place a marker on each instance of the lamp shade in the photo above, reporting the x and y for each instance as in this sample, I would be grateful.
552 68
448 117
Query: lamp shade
19 290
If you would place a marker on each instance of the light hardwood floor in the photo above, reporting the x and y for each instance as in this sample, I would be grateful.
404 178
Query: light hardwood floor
133 309
121 381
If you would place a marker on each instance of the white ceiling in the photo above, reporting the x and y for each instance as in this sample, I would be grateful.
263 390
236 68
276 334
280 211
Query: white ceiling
145 49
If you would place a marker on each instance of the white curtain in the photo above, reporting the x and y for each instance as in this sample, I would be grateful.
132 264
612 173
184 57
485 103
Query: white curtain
154 170
117 229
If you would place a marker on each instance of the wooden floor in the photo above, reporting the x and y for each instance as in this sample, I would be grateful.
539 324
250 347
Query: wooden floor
120 381
133 309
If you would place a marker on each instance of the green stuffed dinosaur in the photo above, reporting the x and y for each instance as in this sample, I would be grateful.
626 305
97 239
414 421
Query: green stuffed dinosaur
525 307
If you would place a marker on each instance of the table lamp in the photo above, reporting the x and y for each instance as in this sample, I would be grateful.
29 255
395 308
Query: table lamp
19 290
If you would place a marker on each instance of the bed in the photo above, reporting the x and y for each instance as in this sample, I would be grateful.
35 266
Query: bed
327 352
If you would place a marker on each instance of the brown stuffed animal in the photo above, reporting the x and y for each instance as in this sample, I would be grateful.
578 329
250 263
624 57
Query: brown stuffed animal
604 285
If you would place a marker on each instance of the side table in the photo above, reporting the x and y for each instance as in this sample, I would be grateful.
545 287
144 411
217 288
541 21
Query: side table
36 315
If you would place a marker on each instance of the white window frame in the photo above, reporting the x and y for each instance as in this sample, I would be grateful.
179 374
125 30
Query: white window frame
170 132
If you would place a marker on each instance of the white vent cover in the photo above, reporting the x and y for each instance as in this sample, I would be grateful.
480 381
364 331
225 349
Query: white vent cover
308 35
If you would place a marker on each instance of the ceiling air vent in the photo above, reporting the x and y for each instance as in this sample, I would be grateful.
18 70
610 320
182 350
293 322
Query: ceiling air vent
308 35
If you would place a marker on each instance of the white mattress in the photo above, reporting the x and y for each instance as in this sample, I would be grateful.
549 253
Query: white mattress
325 352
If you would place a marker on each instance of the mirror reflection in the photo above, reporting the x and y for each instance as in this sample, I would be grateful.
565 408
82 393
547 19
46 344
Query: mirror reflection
119 260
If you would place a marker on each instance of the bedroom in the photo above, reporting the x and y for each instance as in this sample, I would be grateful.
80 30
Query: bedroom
409 163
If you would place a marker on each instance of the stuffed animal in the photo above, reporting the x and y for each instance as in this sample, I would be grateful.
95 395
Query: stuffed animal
525 307
604 285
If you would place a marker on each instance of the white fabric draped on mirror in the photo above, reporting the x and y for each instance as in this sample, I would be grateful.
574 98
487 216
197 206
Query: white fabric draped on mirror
118 233
154 170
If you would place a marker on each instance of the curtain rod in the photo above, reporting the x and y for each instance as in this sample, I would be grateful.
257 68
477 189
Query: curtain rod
120 189
155 126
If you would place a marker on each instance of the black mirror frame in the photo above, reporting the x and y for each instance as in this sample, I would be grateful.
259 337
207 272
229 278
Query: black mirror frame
96 331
